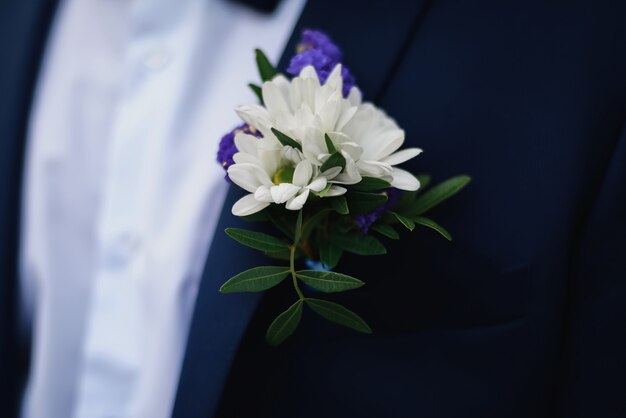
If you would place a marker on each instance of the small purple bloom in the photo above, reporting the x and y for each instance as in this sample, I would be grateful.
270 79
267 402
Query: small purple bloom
315 39
316 49
320 61
367 220
228 148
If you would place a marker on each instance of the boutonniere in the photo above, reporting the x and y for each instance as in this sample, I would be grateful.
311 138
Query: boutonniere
321 165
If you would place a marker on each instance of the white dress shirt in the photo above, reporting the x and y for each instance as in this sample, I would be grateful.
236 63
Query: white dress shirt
122 192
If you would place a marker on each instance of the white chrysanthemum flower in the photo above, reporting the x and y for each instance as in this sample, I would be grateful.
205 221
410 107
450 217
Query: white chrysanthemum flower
272 173
306 111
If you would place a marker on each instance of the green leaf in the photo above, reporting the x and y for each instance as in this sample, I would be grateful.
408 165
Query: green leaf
310 224
360 202
330 145
257 240
328 281
340 204
427 222
386 230
255 280
266 70
335 160
408 223
330 254
257 91
358 243
439 193
286 140
284 325
298 231
338 314
368 184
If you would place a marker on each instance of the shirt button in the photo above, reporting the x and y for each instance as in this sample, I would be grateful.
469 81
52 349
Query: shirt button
157 58
122 249
128 243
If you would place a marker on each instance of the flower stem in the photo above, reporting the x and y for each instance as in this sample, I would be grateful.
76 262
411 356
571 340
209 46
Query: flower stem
292 269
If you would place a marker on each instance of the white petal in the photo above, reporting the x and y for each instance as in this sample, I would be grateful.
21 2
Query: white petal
298 202
255 116
335 191
291 154
345 117
242 158
274 100
248 205
404 180
283 192
352 149
263 194
248 176
318 184
309 72
354 97
402 156
374 169
335 80
350 175
246 143
385 144
332 172
302 174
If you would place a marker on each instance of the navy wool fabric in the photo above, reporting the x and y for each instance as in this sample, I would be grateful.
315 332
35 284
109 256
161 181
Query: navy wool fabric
523 315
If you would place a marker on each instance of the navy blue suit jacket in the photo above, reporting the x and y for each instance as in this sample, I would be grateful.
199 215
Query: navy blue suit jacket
523 315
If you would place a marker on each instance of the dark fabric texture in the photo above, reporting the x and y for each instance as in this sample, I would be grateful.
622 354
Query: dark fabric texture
522 315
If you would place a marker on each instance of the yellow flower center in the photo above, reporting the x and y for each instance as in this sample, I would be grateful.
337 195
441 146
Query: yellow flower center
283 175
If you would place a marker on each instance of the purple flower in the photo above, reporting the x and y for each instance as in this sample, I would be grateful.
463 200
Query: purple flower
315 39
316 49
320 61
228 148
365 221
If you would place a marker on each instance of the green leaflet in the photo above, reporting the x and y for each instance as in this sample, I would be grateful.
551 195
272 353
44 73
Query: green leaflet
330 254
255 280
386 230
358 243
284 325
257 240
335 160
266 70
329 144
340 204
286 140
438 194
328 281
368 184
360 202
338 314
427 222
408 223
256 89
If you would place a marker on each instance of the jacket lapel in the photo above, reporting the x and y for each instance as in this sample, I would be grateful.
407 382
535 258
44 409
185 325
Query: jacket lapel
23 32
373 36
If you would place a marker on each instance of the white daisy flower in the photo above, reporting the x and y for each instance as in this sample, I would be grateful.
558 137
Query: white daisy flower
310 114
